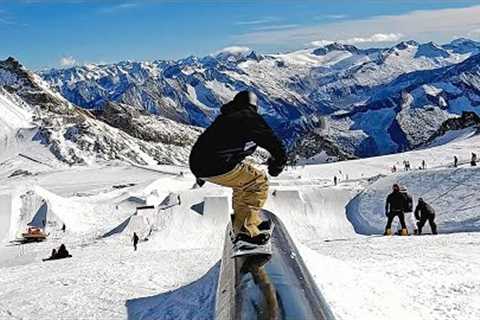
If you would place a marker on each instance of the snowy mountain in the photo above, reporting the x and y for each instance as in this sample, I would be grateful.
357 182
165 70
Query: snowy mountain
358 90
410 109
33 114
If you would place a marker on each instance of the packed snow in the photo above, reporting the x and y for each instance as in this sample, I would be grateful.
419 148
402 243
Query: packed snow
174 273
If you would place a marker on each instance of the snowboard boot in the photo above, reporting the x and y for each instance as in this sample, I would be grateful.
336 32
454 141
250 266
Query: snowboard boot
404 232
264 234
388 232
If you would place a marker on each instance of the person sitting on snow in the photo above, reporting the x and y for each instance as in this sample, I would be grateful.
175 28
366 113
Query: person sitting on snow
61 253
424 212
219 153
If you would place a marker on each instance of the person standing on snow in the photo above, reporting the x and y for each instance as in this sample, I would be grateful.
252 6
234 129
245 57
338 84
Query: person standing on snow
335 180
135 240
408 211
219 153
455 161
473 162
395 207
424 212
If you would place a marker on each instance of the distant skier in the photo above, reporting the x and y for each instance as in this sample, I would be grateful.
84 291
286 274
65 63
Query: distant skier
455 161
424 165
424 212
135 241
218 157
395 207
473 162
64 227
335 180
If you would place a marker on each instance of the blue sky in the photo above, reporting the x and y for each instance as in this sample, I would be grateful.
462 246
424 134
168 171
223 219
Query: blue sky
49 33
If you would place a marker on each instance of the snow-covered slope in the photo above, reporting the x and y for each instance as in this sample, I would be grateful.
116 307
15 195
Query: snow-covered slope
174 273
34 114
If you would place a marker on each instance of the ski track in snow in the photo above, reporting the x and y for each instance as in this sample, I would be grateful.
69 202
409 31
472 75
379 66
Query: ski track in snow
174 274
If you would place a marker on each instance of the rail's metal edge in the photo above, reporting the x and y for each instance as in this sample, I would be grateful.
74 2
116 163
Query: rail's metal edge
275 288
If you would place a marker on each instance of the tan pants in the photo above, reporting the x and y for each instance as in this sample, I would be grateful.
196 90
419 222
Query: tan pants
250 191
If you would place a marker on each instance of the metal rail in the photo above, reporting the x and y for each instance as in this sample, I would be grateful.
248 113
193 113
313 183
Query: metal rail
274 288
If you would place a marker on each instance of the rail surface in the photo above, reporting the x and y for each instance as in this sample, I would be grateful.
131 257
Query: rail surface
275 288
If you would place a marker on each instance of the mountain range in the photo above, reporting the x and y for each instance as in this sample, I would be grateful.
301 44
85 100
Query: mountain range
337 100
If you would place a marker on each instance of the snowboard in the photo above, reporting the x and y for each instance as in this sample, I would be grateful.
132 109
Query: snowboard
261 245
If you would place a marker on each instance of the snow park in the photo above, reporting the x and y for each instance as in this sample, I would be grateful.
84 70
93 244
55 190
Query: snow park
323 165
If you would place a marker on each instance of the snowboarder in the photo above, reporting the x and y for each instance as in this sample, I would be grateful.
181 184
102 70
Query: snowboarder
473 162
424 212
135 241
335 180
395 207
218 157
455 161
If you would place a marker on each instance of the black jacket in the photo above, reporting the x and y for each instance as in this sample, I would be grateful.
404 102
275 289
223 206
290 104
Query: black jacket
396 201
423 209
234 135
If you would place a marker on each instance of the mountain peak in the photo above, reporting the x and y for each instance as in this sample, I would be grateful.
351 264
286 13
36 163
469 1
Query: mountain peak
336 46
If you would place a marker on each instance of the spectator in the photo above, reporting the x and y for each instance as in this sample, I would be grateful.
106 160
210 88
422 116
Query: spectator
424 212
135 241
395 207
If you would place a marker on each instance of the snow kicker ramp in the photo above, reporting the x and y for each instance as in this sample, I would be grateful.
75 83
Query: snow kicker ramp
313 213
276 288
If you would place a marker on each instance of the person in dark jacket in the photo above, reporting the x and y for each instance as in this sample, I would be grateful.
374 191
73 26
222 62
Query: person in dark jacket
395 207
455 161
135 240
424 212
219 153
473 162
62 252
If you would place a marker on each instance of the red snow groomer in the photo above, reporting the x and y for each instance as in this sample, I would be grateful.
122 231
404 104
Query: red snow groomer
34 234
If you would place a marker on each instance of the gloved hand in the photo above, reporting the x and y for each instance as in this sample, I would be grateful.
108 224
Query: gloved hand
200 182
274 169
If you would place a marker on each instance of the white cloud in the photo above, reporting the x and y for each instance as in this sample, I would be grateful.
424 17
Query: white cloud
426 25
118 7
475 32
331 17
321 43
276 27
374 38
67 61
235 50
257 21
377 37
